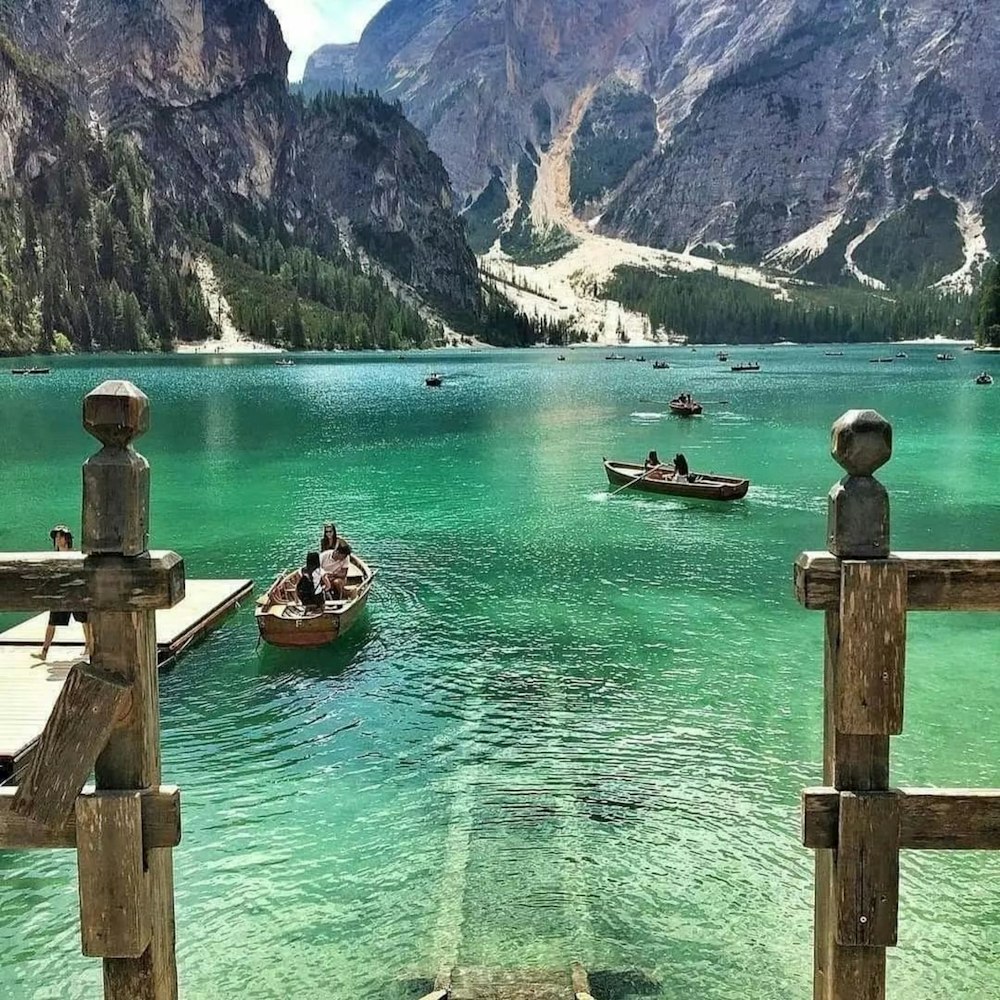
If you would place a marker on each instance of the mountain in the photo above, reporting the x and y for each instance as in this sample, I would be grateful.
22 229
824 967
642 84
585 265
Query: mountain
197 91
840 140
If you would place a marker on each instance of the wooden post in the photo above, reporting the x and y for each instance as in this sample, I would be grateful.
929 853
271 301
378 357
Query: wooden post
116 525
862 706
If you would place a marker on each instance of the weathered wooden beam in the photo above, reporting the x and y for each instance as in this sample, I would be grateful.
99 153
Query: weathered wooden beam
114 902
436 995
867 869
76 731
868 699
930 819
161 822
71 581
935 581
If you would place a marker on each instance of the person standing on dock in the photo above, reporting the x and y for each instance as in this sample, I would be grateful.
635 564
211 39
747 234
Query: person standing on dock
62 541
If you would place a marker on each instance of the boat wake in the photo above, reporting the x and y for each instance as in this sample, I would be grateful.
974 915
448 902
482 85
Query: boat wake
647 418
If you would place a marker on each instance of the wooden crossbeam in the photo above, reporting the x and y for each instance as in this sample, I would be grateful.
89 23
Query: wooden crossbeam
930 819
936 581
161 822
71 581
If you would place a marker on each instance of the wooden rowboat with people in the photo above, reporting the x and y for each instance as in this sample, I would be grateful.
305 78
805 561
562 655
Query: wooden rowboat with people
286 623
685 406
661 480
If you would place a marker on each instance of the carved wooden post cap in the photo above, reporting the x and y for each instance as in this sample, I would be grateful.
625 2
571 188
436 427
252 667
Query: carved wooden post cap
861 442
116 413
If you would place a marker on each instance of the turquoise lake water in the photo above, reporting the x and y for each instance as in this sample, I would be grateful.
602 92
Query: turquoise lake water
569 727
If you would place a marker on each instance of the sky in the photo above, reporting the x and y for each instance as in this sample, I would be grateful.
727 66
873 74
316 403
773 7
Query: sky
308 24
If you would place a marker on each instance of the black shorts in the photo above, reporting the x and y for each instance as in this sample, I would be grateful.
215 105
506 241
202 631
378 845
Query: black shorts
60 618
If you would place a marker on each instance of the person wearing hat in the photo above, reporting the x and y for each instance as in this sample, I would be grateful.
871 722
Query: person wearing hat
62 541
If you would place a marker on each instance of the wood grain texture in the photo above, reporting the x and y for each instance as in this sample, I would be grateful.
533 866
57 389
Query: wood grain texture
936 581
131 759
868 699
867 870
71 581
114 910
161 822
930 819
74 735
116 504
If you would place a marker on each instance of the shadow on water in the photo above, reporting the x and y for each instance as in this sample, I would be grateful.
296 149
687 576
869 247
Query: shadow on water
324 662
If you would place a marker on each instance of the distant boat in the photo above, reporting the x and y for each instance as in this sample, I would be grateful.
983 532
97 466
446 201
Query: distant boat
722 356
615 357
881 361
285 363
946 357
660 365
285 623
969 347
753 367
685 407
833 354
985 378
434 380
30 371
902 354
699 486
785 343
641 359
562 357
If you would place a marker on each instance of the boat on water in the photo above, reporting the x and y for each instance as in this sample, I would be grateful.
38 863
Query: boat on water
615 357
833 354
660 365
722 356
881 361
434 380
969 347
903 355
945 357
685 406
984 378
562 357
285 363
698 486
641 359
754 367
30 371
284 622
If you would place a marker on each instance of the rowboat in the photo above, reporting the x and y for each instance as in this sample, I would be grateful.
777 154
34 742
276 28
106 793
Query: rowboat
903 355
722 356
285 363
615 357
701 486
984 379
945 357
641 359
755 367
30 371
434 380
661 365
285 623
881 361
562 357
833 354
685 407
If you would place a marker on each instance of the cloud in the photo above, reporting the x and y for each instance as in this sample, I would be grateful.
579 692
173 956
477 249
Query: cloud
308 24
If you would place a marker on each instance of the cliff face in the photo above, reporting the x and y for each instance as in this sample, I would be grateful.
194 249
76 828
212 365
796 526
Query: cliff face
775 119
201 86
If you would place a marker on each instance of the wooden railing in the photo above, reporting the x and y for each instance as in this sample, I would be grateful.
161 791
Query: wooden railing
857 823
106 720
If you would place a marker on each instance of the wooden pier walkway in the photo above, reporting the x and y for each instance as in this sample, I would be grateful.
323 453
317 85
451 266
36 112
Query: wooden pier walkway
29 688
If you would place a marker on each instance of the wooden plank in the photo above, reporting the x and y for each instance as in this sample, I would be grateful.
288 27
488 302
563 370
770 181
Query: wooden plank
78 728
868 699
71 581
131 759
114 911
867 869
936 581
850 761
930 819
161 822
205 603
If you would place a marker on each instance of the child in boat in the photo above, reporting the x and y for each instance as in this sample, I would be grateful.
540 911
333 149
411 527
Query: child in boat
312 583
336 565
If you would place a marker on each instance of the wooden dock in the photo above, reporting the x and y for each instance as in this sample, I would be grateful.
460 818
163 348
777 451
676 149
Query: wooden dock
29 688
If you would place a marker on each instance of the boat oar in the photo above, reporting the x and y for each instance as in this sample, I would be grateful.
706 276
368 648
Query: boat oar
634 482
